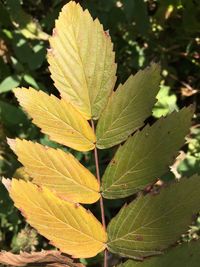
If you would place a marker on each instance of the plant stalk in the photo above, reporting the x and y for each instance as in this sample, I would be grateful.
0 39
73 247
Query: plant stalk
101 198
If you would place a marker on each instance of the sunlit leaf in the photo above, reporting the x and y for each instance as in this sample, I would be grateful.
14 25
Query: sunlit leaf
57 118
128 107
187 254
146 156
69 227
152 223
58 171
82 60
167 102
31 81
9 83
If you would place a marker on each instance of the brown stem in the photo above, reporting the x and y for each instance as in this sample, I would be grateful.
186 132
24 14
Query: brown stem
101 198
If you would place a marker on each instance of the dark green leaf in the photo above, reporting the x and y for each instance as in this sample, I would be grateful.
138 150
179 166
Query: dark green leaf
185 255
12 116
152 223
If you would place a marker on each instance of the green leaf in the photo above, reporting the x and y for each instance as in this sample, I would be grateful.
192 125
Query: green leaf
187 254
9 83
128 107
28 53
152 223
146 156
31 81
166 102
26 25
12 116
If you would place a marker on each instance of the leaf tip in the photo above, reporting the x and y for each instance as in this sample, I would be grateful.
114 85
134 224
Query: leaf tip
12 143
76 205
54 32
7 183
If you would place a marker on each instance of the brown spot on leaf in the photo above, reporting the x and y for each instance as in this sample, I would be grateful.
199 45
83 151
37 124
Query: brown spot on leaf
77 205
88 211
54 32
139 238
107 33
23 212
39 189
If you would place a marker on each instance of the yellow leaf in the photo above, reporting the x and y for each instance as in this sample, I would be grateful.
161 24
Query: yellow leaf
68 226
57 118
82 61
59 171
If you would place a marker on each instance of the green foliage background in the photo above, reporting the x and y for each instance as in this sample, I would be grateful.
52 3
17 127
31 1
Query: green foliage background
166 31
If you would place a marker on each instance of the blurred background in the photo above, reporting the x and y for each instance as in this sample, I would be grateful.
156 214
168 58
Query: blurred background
165 31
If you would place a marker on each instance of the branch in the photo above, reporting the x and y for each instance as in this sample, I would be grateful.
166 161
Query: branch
101 198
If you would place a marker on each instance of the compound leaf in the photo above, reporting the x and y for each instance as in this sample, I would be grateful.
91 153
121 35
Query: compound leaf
59 171
57 118
82 61
186 255
128 107
152 223
146 155
68 226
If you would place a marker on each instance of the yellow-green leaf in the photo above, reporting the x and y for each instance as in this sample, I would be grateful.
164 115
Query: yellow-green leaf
146 155
57 118
69 227
59 171
128 107
82 61
152 223
185 255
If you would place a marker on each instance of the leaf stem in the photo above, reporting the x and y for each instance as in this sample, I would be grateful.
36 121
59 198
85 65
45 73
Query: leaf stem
101 198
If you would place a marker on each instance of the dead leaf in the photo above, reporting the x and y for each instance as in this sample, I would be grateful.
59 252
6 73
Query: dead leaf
38 259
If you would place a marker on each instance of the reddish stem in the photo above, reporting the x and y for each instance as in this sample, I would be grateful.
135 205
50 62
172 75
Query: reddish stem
101 198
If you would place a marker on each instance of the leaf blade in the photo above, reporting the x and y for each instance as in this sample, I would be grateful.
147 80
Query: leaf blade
77 33
9 83
149 153
69 227
183 255
128 107
57 118
154 223
59 171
